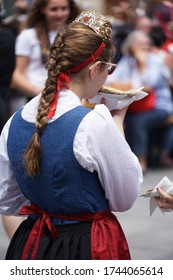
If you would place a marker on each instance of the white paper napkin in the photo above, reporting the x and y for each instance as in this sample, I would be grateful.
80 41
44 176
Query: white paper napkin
166 185
115 101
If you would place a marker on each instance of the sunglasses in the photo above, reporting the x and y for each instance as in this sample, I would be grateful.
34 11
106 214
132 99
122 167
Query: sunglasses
111 67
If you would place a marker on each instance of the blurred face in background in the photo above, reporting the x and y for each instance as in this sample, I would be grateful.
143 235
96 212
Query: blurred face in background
56 13
141 43
144 24
21 6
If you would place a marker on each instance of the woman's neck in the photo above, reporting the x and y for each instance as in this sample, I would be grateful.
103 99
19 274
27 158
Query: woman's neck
78 90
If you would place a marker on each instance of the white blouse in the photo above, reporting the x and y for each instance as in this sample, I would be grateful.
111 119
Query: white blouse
98 145
28 45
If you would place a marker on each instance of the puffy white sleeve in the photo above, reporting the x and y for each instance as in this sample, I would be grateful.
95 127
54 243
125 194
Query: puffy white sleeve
99 146
11 198
24 42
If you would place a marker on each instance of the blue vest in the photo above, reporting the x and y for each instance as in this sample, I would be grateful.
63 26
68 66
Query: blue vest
63 185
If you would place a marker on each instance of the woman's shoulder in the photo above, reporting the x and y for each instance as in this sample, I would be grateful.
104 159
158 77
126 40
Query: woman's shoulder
26 40
28 33
100 111
99 118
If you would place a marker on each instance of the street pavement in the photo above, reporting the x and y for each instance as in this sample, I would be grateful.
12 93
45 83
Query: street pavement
149 238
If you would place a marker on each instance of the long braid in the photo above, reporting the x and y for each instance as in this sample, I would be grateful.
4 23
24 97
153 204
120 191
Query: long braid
32 154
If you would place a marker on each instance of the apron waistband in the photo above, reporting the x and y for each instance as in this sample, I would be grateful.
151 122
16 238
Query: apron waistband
107 238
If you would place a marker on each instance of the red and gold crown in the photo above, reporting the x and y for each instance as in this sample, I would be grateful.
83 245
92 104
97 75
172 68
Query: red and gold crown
96 21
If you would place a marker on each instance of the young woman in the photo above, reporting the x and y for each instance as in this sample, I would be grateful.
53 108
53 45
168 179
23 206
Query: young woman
45 19
70 164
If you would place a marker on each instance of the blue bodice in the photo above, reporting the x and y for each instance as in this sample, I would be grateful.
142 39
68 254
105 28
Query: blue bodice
63 185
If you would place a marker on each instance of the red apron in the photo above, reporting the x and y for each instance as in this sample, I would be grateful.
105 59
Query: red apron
108 241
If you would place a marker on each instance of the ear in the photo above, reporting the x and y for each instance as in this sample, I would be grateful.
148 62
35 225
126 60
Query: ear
93 70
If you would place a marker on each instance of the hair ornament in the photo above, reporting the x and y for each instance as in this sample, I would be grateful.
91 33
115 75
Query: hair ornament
96 21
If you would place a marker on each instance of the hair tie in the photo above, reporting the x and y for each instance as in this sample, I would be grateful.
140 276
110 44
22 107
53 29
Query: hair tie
63 81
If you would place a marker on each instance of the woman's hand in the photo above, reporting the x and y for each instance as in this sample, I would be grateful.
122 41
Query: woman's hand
118 116
119 113
165 200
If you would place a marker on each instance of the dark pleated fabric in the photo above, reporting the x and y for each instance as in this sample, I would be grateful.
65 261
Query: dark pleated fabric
73 242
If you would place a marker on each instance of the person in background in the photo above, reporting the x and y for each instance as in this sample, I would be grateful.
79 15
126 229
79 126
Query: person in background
140 68
56 170
15 23
7 64
143 23
163 12
123 22
20 11
44 20
158 38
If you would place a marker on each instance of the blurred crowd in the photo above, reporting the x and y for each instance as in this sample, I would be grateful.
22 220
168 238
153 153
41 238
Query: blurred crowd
143 37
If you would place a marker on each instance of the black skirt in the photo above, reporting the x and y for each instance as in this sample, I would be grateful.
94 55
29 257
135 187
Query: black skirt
73 242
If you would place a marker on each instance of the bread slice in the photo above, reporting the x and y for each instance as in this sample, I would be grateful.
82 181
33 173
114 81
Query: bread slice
111 90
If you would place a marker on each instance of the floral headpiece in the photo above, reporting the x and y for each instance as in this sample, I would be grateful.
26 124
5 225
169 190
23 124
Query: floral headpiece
96 21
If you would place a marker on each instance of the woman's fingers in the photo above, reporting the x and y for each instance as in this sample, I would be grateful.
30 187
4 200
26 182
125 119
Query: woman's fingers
165 200
165 195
